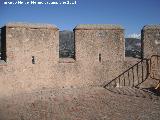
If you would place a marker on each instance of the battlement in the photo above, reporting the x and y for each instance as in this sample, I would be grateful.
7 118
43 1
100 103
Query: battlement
32 58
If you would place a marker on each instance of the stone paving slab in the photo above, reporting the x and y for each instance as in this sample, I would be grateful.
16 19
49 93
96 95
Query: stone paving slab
93 103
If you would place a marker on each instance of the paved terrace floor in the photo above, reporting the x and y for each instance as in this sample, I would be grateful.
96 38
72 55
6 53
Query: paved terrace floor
92 103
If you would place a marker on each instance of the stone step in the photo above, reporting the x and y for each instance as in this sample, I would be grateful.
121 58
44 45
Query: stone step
137 92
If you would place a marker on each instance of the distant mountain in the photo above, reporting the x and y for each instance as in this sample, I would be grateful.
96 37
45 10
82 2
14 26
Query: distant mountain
133 47
134 35
66 44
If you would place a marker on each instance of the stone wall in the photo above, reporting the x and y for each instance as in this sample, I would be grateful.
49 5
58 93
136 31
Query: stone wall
99 51
34 80
32 57
151 46
151 40
27 44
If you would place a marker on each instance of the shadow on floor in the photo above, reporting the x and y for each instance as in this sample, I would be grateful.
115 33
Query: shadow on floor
152 90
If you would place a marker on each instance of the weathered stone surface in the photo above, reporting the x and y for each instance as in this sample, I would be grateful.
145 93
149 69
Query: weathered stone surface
100 51
91 103
29 25
151 40
98 27
151 46
24 41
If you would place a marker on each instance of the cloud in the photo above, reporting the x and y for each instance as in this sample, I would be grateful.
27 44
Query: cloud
134 35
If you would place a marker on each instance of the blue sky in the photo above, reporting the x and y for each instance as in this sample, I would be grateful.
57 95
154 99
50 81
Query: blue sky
131 14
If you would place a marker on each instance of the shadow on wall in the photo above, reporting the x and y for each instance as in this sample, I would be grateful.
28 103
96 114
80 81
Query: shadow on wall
3 44
0 44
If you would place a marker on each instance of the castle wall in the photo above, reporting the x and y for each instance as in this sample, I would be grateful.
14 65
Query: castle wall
100 51
151 40
31 66
32 57
151 46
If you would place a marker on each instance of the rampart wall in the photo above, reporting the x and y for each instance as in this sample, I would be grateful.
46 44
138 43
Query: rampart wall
30 54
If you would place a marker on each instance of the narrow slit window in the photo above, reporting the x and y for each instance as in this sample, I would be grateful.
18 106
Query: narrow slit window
100 57
0 45
3 44
33 60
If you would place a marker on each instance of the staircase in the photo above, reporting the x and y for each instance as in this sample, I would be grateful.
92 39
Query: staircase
130 82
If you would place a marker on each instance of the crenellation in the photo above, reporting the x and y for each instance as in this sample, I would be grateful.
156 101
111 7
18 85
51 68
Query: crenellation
32 59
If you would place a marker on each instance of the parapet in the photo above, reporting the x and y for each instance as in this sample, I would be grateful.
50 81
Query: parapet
31 25
98 27
146 27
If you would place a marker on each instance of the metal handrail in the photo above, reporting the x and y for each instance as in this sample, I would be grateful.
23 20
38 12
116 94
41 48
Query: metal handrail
157 60
130 73
146 71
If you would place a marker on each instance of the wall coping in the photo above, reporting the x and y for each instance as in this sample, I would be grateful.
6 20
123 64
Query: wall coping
98 27
146 27
31 25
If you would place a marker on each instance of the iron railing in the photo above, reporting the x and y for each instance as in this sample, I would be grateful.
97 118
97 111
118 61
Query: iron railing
133 76
138 73
155 67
